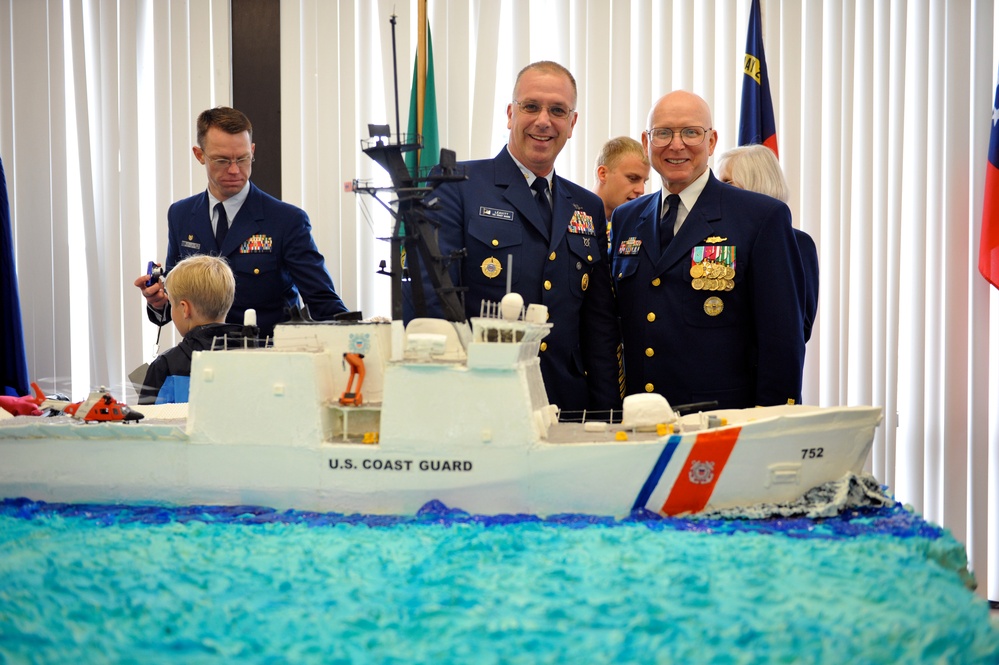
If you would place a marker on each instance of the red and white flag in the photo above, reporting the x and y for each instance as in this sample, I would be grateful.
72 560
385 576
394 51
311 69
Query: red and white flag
988 252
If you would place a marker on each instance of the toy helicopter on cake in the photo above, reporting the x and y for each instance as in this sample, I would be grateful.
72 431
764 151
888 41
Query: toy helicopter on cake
100 406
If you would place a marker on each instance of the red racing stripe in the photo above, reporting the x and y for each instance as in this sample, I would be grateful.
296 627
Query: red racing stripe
700 473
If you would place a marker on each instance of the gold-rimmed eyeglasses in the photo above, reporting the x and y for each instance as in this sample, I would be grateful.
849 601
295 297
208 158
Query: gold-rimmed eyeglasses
224 162
663 136
556 111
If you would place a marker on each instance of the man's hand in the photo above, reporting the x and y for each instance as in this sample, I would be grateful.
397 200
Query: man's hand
155 295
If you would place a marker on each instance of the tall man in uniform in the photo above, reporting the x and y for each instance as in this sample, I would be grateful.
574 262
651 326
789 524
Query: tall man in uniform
515 205
706 276
268 243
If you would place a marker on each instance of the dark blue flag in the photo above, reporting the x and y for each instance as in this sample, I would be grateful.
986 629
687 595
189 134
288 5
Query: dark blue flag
14 370
757 124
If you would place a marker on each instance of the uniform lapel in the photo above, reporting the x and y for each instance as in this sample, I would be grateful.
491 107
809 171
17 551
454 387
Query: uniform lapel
562 211
201 223
246 222
517 192
646 229
696 227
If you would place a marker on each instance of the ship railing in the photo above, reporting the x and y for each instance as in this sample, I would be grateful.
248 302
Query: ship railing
229 342
610 416
494 324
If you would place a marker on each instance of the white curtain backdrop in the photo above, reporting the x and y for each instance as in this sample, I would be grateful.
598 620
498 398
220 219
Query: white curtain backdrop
883 119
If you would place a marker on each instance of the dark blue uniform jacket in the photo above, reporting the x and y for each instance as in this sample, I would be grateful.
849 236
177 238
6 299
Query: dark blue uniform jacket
810 263
742 346
494 216
270 250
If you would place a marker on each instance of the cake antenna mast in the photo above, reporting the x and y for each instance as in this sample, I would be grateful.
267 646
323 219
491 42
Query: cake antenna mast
395 79
414 229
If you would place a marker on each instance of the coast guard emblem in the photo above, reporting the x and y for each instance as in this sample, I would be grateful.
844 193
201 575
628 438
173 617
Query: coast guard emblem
359 343
701 473
713 306
491 267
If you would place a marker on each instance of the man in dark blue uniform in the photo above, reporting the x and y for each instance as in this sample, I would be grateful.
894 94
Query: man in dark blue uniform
268 243
707 276
514 205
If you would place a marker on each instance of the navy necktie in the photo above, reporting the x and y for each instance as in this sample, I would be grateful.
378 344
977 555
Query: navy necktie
221 226
540 185
668 221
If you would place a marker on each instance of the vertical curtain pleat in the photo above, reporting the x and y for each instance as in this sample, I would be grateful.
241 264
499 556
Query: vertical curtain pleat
32 214
806 148
488 69
56 198
860 226
912 248
882 115
934 241
960 259
879 133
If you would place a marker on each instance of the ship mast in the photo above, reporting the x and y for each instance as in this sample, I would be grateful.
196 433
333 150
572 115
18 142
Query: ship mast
414 231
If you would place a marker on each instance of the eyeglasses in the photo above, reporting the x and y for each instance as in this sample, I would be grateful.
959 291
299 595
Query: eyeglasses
663 136
224 163
533 108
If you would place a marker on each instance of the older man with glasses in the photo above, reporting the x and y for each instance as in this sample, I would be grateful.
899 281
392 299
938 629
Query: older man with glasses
520 221
268 243
706 276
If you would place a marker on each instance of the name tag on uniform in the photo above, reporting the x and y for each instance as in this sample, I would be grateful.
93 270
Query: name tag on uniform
186 244
495 213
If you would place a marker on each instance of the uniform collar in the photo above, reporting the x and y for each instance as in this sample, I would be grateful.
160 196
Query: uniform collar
529 175
231 204
690 194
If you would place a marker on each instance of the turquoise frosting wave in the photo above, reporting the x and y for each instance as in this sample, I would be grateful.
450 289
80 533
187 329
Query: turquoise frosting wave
113 584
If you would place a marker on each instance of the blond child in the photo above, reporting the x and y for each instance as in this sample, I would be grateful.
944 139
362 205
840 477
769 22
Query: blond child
201 290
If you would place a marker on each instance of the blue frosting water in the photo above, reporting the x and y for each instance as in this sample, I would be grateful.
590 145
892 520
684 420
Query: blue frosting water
253 585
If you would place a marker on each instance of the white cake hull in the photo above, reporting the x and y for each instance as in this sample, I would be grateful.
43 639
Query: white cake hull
472 430
777 456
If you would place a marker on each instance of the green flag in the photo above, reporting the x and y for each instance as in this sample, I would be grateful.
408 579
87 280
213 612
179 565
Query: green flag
431 140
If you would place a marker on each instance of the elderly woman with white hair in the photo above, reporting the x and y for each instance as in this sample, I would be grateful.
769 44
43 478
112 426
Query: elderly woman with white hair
755 167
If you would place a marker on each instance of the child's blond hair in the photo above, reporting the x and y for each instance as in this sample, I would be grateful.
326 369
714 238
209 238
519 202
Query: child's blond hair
204 281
